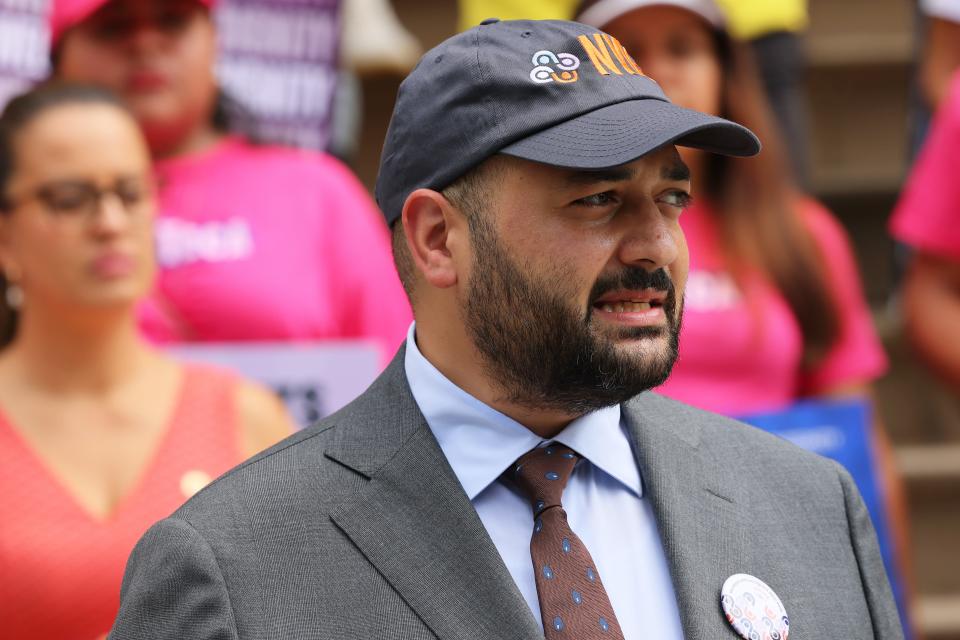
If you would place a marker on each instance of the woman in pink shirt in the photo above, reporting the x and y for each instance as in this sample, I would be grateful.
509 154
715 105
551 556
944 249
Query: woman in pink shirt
254 242
927 218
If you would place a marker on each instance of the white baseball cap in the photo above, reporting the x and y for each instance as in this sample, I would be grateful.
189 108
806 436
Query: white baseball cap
602 12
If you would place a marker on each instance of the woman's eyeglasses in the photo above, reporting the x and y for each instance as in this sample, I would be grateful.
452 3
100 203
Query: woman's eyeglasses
84 199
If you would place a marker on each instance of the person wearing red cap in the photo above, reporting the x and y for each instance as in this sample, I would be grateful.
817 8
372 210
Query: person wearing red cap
157 56
255 242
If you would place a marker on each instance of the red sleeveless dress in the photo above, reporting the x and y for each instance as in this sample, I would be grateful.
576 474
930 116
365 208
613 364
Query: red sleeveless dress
61 567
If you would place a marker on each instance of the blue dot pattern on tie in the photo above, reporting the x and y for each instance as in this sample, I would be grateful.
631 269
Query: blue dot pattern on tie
573 603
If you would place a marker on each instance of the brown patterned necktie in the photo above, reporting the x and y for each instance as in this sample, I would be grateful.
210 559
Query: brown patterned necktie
573 603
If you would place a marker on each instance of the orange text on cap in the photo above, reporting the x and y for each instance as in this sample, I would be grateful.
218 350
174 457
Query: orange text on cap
605 52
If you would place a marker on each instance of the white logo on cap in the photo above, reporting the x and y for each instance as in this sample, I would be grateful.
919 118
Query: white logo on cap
554 67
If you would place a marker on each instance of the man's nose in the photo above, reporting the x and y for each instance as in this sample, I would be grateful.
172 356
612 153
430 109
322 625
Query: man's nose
650 239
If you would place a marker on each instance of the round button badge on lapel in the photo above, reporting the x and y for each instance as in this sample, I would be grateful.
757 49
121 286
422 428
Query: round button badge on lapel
753 609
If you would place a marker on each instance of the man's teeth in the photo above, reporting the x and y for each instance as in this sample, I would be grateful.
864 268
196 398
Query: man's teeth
625 307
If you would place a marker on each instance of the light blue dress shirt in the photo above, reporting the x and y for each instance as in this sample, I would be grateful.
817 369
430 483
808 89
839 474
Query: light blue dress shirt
603 499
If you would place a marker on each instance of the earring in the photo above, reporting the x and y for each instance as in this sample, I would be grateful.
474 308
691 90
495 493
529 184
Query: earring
12 292
13 295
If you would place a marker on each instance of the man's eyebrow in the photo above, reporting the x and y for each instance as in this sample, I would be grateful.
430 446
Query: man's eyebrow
593 176
677 171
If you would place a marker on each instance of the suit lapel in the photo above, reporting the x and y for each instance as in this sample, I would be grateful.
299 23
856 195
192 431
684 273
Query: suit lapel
414 523
700 518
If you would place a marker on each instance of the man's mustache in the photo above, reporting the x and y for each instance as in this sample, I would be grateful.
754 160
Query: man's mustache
634 278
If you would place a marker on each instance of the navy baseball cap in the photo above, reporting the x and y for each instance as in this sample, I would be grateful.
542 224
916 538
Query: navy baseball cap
551 91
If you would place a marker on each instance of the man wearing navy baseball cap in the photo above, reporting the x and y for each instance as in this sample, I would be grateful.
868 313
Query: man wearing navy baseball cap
509 475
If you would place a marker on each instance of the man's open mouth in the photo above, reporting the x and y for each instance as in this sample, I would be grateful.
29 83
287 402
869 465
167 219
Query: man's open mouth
630 301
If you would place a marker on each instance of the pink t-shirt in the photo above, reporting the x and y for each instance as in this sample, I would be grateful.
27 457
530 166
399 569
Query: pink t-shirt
928 214
741 347
265 243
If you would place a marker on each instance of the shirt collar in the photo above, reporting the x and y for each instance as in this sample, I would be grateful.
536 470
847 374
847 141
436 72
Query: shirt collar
480 442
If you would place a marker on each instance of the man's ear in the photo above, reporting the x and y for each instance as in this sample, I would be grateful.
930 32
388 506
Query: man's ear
435 231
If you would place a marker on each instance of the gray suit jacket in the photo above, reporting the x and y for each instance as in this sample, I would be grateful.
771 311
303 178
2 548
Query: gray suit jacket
358 528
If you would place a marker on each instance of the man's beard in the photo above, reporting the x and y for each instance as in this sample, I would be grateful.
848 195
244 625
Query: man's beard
541 353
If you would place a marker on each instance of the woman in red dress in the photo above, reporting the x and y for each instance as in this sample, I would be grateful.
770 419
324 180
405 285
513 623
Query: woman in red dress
100 434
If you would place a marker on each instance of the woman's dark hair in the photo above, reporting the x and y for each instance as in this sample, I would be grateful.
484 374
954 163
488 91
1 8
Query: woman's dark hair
757 206
18 113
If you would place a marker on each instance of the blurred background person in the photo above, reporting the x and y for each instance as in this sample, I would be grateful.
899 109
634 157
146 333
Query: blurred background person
100 434
255 242
940 55
927 219
937 31
774 32
774 311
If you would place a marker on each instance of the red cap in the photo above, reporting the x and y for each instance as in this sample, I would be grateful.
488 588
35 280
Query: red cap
65 14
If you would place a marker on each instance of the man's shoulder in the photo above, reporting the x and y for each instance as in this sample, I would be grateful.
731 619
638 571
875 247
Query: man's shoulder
286 465
741 463
304 472
727 440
